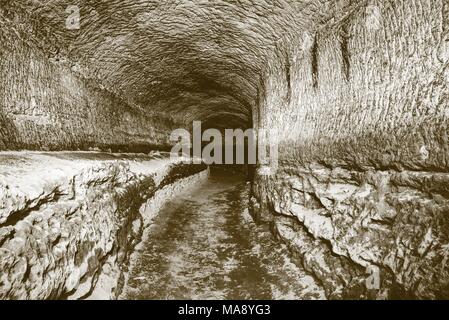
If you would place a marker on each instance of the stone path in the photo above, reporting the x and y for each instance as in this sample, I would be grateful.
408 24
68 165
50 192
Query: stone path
204 245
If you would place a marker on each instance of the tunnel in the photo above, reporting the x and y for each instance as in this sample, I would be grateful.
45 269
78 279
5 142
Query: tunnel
353 94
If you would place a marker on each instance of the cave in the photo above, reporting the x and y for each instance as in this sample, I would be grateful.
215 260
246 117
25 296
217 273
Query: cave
353 95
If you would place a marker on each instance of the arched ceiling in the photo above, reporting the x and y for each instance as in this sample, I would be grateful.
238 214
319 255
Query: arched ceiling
194 59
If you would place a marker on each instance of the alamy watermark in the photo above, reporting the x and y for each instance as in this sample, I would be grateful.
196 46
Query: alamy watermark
372 282
73 19
229 146
373 17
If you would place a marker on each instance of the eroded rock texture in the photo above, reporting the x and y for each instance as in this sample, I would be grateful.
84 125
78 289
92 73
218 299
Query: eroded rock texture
363 180
357 90
76 219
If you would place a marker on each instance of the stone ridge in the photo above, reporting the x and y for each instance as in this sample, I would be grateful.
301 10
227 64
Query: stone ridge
66 218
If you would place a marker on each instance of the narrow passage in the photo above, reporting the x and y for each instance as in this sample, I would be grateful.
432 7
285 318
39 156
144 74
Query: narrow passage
204 245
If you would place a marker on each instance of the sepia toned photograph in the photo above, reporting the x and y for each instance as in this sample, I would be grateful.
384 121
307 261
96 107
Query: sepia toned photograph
224 150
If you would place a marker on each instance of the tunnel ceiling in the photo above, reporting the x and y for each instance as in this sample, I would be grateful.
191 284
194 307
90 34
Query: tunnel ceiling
194 59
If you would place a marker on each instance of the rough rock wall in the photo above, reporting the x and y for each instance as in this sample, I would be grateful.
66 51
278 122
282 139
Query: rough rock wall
194 60
362 184
359 99
46 104
65 226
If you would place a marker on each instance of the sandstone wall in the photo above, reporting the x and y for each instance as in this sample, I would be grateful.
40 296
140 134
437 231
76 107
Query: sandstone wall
46 103
363 176
70 225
